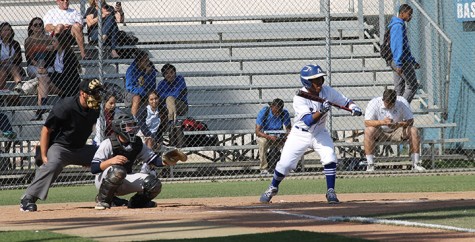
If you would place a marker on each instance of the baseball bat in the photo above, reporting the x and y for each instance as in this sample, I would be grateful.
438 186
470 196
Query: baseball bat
312 97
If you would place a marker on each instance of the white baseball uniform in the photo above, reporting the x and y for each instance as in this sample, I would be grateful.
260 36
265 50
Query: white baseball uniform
400 112
316 136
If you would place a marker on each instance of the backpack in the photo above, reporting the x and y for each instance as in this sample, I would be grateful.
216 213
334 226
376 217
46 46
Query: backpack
386 52
196 140
124 38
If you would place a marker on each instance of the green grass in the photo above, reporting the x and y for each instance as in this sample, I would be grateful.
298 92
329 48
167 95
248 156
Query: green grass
39 235
443 183
283 236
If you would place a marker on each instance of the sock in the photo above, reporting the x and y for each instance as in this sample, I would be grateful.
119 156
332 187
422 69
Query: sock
415 157
278 177
370 159
330 174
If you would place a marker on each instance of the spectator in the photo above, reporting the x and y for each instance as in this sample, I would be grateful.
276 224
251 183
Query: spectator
63 77
173 93
6 127
270 120
149 122
104 122
140 79
38 47
65 19
404 64
63 140
119 13
10 57
389 118
109 26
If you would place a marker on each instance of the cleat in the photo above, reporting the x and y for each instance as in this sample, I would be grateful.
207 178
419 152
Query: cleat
119 202
268 194
102 206
28 205
331 196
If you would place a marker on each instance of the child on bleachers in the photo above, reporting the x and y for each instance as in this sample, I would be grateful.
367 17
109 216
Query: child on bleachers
10 57
149 122
104 122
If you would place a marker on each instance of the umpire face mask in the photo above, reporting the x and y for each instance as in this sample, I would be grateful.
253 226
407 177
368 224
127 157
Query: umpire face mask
94 101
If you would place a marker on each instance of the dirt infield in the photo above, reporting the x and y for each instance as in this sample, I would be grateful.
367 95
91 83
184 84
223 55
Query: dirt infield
191 218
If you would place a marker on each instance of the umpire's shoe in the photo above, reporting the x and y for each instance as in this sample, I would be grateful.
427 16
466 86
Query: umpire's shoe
27 204
331 196
268 194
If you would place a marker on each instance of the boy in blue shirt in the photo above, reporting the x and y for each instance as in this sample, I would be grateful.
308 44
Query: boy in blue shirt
270 123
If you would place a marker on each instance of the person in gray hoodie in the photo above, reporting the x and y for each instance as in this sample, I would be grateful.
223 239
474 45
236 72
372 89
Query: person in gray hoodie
403 64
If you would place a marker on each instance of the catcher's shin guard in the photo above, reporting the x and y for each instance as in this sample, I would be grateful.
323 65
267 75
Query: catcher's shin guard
114 178
152 186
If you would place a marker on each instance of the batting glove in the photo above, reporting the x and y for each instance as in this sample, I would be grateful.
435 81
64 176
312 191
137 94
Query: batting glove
355 110
325 107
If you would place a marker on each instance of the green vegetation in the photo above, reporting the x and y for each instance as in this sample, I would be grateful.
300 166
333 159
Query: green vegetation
39 235
442 183
284 236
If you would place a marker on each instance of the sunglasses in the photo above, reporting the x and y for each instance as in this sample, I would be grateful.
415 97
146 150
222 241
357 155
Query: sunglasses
37 25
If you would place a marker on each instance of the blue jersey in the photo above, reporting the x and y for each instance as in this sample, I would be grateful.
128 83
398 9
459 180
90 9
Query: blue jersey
272 122
176 89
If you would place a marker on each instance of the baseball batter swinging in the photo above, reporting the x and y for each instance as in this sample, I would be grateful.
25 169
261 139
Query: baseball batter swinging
309 131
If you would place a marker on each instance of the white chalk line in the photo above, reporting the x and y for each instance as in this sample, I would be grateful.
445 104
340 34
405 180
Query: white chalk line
376 221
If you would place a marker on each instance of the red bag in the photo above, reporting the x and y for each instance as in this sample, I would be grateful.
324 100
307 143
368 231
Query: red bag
191 124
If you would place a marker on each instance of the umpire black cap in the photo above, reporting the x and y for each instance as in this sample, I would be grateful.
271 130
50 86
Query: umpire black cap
91 86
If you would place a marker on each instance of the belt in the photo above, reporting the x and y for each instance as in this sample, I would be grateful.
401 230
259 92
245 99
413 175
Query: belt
304 130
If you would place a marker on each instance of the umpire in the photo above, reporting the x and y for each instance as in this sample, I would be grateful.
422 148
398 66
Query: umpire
63 140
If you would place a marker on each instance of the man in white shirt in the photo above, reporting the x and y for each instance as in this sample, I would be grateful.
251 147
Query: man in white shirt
64 18
389 118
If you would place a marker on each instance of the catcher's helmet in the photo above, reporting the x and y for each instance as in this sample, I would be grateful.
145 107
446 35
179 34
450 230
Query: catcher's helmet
125 125
309 72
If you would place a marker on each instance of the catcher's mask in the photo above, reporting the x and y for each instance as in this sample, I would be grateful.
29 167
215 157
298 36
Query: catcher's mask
94 89
125 125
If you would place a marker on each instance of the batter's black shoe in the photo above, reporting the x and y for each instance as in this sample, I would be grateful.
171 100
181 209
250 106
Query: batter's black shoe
27 204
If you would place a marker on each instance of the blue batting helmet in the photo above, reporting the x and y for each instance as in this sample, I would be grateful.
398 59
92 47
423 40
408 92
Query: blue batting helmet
309 72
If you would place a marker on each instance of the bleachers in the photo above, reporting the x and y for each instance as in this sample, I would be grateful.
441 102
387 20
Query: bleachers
234 69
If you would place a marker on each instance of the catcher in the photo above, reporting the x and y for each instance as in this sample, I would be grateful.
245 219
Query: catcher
113 161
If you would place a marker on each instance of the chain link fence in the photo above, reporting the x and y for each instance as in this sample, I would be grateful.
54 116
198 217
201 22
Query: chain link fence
235 58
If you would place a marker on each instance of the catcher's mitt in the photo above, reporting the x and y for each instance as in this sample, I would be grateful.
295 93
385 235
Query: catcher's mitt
172 156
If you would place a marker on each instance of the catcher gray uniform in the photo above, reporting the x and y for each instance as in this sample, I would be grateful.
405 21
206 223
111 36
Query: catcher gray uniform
132 182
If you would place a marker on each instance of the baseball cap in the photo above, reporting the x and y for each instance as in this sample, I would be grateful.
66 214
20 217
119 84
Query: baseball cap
91 86
278 103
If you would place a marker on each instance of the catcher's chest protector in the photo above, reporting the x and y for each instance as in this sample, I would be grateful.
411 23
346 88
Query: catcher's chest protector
118 149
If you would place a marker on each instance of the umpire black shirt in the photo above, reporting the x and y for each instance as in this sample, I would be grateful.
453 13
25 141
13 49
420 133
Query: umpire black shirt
71 124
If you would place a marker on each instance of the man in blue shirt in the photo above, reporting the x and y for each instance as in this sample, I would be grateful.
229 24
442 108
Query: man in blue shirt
140 79
270 133
404 64
173 93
